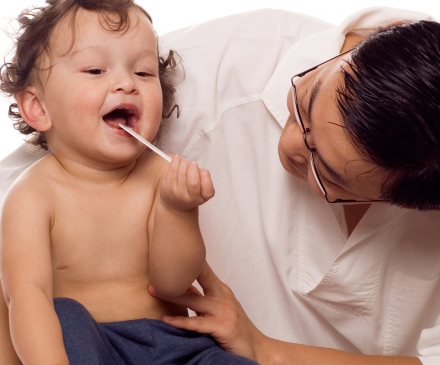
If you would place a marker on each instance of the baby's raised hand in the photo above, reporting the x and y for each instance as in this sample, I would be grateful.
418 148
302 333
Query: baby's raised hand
186 186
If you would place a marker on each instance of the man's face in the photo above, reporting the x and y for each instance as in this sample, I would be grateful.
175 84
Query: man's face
344 174
107 78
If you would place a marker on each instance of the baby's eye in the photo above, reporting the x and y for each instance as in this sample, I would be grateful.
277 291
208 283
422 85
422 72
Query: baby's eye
142 74
95 71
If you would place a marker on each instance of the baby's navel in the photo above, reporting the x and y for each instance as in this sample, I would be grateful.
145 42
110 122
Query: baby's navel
62 267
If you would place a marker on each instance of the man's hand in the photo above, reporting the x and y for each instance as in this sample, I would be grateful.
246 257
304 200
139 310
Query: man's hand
219 314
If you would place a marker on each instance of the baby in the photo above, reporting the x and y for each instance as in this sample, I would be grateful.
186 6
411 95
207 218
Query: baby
88 228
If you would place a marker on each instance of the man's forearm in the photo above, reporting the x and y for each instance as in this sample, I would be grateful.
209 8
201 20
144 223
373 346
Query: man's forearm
275 352
35 328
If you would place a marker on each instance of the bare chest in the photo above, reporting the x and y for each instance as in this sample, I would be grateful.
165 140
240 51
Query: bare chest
101 235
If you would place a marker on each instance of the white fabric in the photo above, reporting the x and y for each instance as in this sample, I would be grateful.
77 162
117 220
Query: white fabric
282 250
14 164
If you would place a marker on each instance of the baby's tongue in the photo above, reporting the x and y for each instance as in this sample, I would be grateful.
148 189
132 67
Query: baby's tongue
113 120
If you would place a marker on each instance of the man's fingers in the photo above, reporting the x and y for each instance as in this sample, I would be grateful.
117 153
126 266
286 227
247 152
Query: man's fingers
193 289
198 324
211 284
190 299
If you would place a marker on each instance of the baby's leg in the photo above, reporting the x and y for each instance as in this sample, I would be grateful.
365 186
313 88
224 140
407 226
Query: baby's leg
84 341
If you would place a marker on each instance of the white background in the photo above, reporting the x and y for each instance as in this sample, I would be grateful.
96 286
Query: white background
170 15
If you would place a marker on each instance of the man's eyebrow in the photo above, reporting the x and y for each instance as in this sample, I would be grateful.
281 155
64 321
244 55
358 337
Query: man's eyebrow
335 175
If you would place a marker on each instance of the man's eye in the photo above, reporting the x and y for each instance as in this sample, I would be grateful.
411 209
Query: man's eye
95 71
323 178
329 183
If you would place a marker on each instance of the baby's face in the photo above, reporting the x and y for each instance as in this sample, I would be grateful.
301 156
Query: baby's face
107 78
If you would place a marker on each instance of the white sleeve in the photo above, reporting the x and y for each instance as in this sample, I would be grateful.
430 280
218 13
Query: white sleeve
430 360
14 164
429 345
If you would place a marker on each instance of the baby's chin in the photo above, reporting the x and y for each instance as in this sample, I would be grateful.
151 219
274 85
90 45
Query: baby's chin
113 156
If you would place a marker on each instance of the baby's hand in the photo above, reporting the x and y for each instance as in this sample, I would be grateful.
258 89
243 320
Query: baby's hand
186 185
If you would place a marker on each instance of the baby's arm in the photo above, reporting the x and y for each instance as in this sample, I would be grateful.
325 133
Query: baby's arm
177 251
26 272
7 351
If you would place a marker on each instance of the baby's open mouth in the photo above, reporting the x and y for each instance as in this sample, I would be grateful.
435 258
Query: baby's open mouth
125 116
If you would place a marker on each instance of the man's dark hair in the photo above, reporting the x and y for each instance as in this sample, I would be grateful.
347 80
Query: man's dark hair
33 40
390 105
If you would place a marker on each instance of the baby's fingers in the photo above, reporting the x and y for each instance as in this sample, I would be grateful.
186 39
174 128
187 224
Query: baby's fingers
182 180
193 182
173 171
206 184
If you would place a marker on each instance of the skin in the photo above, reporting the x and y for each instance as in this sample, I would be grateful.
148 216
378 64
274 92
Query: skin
7 351
220 314
104 217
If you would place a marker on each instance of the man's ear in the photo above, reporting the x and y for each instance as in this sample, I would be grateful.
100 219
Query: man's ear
32 111
397 22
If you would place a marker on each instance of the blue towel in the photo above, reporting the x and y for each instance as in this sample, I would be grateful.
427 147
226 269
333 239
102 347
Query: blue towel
135 342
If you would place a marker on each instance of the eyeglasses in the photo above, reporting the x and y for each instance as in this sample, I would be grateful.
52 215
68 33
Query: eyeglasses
306 131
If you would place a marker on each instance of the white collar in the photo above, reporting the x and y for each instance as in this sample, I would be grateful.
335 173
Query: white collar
323 45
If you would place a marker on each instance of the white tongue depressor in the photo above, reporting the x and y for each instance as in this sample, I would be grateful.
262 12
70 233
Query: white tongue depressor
145 142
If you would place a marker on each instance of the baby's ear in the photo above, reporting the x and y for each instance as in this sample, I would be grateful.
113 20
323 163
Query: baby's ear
32 111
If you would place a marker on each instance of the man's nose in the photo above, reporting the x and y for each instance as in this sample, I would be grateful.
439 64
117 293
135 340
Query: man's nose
124 82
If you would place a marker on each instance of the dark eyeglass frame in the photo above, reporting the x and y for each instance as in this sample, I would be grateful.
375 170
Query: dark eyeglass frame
307 131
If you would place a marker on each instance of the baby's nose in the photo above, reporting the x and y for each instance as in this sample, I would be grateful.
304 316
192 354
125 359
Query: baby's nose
124 82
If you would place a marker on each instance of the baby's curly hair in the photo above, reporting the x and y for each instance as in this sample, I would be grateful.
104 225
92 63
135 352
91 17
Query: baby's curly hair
32 40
